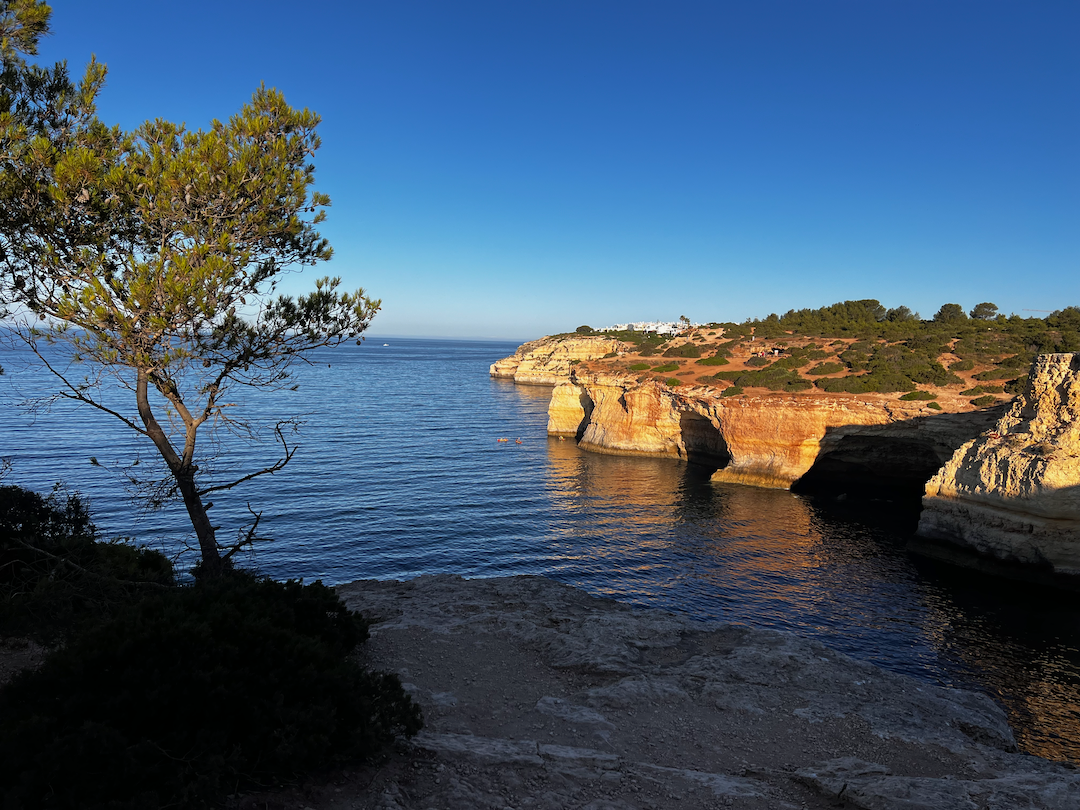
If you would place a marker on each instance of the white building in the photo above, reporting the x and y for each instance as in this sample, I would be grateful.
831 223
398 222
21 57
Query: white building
659 327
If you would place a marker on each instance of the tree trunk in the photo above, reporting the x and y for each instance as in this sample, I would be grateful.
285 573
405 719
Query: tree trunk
184 473
204 530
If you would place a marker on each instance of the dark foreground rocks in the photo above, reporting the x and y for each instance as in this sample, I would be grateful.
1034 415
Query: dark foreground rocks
537 695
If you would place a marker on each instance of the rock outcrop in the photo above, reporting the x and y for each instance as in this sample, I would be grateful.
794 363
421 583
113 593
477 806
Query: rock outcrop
1013 493
538 695
549 361
772 440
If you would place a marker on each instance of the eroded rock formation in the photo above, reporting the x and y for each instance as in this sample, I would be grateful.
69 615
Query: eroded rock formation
772 440
548 361
1013 493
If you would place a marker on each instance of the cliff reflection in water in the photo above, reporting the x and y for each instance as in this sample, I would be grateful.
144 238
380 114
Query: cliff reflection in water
657 533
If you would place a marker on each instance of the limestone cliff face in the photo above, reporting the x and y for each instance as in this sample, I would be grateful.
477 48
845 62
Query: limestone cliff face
772 441
1014 492
548 361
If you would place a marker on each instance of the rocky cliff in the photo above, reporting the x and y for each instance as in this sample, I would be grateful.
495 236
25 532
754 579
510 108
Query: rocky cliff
773 440
548 361
1013 493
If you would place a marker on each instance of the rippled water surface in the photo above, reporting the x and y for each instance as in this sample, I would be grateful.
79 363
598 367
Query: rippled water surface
399 474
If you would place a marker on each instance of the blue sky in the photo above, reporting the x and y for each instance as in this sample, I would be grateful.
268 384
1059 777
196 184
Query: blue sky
512 169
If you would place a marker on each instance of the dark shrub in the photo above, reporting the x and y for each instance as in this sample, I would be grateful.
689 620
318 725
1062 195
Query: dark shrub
666 367
55 576
731 391
913 396
671 382
639 366
980 402
192 692
848 385
995 374
934 405
962 365
686 350
715 360
757 361
1015 386
826 368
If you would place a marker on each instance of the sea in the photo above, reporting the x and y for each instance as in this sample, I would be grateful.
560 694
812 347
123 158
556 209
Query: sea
399 472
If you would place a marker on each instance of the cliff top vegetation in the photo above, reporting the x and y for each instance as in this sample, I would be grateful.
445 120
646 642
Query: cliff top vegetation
963 358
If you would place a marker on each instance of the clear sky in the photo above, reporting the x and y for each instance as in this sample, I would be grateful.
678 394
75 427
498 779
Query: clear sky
510 169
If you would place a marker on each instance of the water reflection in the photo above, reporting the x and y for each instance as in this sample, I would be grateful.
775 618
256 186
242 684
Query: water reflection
656 532
1019 642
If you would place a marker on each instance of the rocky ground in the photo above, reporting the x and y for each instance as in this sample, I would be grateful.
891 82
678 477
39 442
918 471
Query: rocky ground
537 695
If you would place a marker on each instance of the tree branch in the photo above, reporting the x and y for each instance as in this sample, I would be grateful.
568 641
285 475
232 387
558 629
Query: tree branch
289 453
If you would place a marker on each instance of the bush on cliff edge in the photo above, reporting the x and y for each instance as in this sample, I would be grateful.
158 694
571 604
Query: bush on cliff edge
193 691
56 576
166 696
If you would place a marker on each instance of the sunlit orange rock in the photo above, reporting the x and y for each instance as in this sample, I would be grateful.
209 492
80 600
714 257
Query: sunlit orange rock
548 361
1013 493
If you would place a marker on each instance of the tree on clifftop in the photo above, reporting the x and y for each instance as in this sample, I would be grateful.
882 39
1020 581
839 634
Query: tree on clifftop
153 257
950 313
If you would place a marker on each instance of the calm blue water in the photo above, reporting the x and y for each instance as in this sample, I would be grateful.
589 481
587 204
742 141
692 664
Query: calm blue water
399 474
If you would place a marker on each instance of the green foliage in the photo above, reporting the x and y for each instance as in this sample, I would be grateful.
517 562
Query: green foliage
154 256
918 396
585 330
983 389
55 576
666 367
685 350
995 374
575 362
22 23
981 402
1015 386
880 380
984 311
792 361
934 405
901 314
837 319
672 382
715 360
639 366
1016 362
962 365
950 313
757 361
775 379
189 693
826 368
609 355
731 391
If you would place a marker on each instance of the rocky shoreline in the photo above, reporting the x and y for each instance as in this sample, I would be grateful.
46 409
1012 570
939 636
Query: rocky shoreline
537 695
